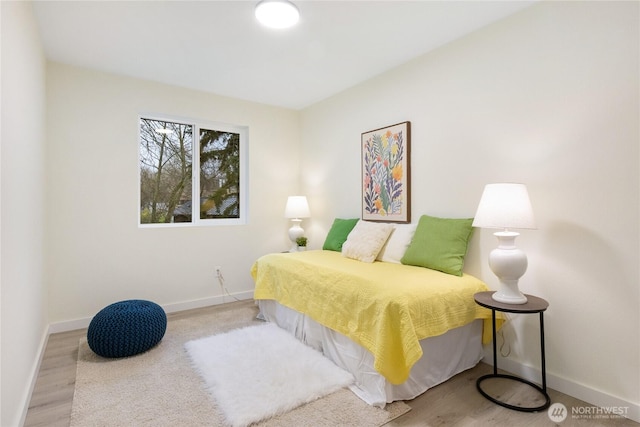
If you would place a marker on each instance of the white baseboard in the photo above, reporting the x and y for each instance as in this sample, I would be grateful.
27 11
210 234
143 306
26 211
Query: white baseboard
564 385
72 325
34 376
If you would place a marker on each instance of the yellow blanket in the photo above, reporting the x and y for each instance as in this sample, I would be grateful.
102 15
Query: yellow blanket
384 307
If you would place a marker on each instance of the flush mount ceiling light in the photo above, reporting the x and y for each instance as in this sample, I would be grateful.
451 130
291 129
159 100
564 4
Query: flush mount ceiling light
277 13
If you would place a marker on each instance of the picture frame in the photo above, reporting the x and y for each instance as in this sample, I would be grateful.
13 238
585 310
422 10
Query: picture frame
386 184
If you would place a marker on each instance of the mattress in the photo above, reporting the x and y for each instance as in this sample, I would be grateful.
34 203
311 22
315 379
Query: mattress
443 356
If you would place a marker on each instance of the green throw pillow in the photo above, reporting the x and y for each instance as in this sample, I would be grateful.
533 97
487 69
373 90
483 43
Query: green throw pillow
439 244
338 234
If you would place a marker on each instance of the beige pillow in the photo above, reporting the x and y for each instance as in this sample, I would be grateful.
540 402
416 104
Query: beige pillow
365 240
397 244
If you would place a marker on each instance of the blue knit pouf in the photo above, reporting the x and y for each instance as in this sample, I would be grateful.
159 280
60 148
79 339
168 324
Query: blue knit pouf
126 328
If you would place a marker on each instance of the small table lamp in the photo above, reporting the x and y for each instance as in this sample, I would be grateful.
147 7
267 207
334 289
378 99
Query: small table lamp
506 206
296 209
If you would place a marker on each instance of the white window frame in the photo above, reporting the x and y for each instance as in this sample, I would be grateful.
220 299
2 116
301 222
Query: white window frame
243 199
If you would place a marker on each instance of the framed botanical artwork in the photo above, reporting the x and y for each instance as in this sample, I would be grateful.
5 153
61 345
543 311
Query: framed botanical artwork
386 175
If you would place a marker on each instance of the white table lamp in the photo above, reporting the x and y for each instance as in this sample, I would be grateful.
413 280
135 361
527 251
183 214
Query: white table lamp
296 209
506 206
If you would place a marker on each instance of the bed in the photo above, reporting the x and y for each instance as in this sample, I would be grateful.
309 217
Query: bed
399 329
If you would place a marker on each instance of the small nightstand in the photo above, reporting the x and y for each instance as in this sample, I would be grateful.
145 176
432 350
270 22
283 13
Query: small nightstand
533 305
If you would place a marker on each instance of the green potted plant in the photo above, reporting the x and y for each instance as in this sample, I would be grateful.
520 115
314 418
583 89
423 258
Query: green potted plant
302 243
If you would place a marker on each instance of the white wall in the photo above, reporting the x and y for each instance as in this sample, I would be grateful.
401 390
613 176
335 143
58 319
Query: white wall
23 294
96 252
548 97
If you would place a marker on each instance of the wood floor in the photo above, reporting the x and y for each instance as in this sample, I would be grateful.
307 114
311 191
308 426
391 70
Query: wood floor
453 403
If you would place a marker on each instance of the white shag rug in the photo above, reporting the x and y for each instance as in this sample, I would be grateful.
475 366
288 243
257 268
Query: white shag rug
258 372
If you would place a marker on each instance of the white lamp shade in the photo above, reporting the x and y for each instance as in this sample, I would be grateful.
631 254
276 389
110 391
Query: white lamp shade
297 207
277 13
505 206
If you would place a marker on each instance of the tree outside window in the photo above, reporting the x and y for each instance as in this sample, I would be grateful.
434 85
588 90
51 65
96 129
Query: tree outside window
219 174
168 184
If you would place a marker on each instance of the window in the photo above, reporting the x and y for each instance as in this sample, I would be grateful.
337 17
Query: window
175 170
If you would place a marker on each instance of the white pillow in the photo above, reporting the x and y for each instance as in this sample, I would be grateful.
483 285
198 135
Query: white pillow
397 244
365 240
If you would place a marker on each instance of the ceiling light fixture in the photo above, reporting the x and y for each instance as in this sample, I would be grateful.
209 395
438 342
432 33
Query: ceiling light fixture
277 13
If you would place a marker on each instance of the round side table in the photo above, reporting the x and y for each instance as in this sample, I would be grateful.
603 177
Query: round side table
533 305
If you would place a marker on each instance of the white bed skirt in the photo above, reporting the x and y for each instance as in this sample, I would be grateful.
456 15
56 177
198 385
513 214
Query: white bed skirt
443 356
